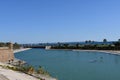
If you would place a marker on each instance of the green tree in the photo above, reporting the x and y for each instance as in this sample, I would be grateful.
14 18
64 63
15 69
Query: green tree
86 41
59 44
77 45
2 44
66 45
118 40
16 46
104 40
117 44
89 41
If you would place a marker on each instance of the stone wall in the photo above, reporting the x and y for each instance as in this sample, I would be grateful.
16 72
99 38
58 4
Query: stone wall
6 53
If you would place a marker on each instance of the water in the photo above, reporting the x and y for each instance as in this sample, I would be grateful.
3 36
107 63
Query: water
74 65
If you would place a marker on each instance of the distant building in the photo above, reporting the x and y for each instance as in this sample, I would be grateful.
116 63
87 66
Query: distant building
6 53
48 47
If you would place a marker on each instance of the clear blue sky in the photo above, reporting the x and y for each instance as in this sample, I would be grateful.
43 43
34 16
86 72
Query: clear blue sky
33 21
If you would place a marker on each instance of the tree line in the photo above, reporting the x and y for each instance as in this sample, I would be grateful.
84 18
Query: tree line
90 46
15 45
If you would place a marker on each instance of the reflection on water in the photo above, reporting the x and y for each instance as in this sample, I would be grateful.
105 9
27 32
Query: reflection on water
75 65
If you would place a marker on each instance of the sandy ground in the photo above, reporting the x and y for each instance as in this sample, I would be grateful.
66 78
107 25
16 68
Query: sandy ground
105 51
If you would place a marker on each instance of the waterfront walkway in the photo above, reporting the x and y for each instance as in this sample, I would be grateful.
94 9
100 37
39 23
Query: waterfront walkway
7 74
2 77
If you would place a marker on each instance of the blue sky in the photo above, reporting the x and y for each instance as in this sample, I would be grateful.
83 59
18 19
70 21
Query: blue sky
34 21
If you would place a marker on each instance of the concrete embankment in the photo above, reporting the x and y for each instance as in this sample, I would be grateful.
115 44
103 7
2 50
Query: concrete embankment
20 50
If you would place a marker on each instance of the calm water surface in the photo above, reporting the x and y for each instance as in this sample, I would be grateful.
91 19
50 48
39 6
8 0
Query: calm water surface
74 65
